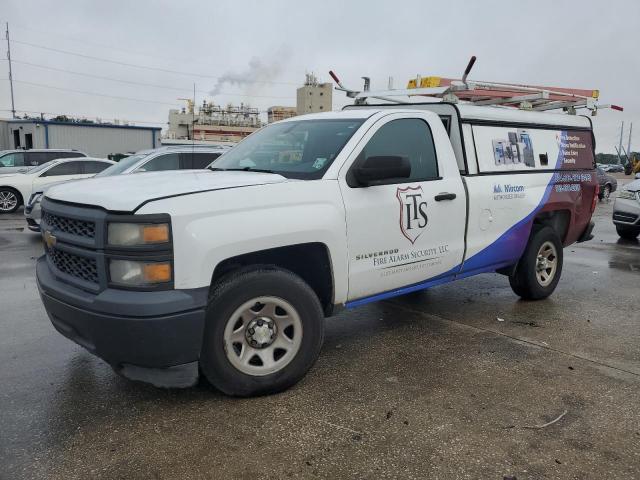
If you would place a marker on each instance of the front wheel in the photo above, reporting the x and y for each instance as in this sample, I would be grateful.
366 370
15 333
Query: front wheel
9 200
538 271
628 233
264 330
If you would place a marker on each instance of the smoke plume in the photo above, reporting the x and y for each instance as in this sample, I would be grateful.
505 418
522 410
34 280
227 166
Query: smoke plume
257 74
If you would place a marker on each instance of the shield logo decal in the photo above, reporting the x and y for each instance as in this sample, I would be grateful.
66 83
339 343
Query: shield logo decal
413 212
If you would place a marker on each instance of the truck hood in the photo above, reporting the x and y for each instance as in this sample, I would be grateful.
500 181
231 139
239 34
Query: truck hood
126 193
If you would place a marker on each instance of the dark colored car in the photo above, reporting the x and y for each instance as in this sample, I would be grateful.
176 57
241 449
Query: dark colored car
607 183
615 168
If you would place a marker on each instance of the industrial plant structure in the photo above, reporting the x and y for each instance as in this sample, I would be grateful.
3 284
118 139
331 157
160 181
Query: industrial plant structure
213 123
313 96
277 113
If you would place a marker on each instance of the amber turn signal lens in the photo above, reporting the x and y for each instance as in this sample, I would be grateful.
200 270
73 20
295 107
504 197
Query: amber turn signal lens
157 272
155 233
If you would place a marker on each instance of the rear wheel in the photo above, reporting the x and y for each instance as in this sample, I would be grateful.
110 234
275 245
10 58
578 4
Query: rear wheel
264 331
9 200
629 233
538 271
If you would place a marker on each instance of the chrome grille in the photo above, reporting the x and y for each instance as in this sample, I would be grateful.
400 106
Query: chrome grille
80 228
75 265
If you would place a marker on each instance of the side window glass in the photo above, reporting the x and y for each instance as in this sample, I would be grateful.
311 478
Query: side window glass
170 161
68 168
407 137
12 160
37 158
94 167
202 160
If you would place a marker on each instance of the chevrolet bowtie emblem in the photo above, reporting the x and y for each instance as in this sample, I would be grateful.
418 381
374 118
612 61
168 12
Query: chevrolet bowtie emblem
49 239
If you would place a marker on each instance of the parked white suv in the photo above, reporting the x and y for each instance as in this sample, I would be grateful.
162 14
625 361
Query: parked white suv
21 161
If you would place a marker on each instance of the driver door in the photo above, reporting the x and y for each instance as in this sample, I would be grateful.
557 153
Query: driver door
404 233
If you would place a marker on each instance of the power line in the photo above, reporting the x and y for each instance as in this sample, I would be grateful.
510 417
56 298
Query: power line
86 41
95 94
145 67
142 84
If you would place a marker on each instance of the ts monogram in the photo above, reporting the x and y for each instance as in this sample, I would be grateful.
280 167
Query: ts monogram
413 212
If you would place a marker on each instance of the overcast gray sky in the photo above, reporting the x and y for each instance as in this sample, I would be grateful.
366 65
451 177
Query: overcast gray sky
577 44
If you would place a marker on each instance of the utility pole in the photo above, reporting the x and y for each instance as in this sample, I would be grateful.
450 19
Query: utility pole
13 107
629 144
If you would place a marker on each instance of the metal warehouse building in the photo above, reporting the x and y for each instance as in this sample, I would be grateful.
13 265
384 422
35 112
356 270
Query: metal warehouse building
95 139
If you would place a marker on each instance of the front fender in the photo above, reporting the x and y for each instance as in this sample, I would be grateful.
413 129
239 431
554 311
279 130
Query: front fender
211 227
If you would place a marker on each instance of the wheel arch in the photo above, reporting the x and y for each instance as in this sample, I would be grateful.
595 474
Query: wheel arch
559 220
310 261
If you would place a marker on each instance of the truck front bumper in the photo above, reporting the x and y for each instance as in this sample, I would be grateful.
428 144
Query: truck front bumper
153 337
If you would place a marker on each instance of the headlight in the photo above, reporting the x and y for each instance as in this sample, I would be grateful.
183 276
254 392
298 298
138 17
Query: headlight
35 198
128 234
627 194
139 274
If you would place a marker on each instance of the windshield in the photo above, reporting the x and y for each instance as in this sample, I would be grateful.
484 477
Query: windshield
301 149
122 165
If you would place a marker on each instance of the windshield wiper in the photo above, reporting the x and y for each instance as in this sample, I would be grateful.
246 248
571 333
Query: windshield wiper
243 169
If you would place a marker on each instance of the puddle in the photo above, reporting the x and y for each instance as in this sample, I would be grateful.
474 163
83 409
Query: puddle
628 267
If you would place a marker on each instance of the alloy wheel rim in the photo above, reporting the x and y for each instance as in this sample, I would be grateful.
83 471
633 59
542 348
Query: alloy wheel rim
8 200
262 336
546 263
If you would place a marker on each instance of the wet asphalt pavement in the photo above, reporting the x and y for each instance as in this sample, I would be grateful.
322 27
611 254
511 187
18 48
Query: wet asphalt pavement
431 385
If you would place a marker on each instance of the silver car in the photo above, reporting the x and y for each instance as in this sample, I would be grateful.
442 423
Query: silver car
167 158
626 210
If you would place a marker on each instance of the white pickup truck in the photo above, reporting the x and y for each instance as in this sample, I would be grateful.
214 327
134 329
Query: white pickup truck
231 271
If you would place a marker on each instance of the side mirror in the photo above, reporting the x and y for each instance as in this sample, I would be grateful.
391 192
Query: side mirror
377 169
638 176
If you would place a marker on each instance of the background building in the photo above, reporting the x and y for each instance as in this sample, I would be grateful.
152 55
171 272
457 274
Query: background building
95 139
213 123
313 96
280 113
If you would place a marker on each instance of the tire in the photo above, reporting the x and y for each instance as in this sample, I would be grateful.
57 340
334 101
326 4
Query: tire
238 368
628 233
530 281
10 200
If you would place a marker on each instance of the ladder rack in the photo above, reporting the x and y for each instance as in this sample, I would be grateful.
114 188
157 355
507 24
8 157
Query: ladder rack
525 97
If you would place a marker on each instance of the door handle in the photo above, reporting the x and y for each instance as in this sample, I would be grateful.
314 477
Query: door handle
444 196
